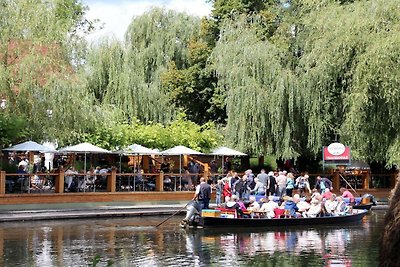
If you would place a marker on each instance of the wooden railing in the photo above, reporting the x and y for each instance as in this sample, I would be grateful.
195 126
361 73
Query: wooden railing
110 182
158 182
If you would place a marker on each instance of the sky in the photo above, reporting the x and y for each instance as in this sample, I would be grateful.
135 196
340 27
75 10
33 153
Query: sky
116 15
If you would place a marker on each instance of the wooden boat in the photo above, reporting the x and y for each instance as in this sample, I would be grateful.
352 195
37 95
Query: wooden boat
215 221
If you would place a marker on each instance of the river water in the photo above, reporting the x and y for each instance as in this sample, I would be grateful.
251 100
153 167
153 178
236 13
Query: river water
137 242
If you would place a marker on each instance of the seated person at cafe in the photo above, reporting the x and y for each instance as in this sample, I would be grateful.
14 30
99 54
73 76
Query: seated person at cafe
69 177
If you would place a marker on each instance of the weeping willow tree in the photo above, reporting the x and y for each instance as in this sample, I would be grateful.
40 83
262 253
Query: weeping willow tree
327 73
260 93
129 75
349 78
39 50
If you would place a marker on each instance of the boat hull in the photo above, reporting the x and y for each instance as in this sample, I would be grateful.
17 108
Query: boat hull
263 222
367 206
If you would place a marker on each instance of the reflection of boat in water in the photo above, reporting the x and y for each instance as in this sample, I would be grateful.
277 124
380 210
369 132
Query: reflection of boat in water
317 244
355 216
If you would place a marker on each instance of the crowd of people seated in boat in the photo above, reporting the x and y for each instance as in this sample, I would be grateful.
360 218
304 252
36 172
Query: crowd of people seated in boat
287 207
275 195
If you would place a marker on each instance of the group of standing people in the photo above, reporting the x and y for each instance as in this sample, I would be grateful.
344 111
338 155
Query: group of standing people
278 184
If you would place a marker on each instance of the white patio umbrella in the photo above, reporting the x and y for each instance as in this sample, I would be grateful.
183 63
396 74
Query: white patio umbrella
30 146
180 150
84 148
226 151
140 150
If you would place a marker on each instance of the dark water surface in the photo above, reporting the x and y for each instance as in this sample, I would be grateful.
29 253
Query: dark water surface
136 242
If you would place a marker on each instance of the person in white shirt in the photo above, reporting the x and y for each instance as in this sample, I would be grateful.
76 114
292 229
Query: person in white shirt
254 206
268 207
314 209
69 177
281 181
330 205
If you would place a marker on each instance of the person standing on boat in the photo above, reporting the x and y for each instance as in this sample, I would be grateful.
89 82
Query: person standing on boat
271 184
241 188
303 185
203 193
323 183
259 189
281 181
263 177
289 184
219 187
226 188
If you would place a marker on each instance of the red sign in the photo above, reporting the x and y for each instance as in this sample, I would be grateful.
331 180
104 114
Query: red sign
336 151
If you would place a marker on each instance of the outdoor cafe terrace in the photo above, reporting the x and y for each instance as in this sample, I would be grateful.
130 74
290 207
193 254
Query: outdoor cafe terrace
147 184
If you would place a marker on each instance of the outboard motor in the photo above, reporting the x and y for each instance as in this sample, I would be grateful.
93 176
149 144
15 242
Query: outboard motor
192 217
370 197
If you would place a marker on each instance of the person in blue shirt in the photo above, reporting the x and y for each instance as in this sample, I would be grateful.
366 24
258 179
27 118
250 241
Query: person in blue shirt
291 208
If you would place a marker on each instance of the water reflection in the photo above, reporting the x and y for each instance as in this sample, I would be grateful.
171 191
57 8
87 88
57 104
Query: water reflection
137 242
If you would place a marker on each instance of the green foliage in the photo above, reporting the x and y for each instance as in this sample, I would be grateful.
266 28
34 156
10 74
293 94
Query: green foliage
325 72
156 135
128 75
194 88
12 129
38 52
349 78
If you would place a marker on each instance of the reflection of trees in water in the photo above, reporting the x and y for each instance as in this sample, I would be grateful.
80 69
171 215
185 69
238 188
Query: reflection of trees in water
76 243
